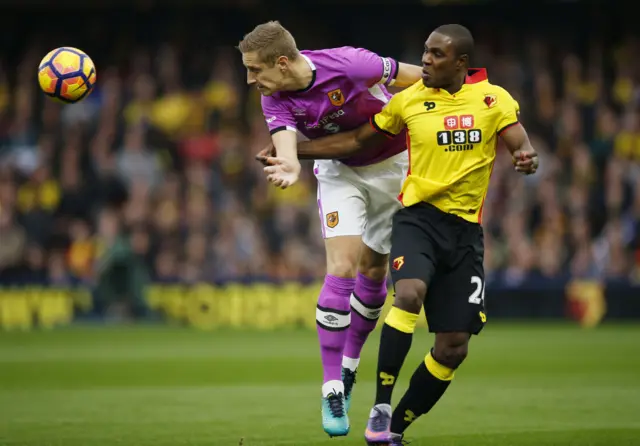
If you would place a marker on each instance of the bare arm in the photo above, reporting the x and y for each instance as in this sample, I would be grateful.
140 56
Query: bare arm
341 145
286 143
407 75
388 123
525 158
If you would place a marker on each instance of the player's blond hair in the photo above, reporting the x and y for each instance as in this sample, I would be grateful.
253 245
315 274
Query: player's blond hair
271 40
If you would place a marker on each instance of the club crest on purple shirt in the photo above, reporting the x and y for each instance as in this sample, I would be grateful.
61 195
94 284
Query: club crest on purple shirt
348 87
336 97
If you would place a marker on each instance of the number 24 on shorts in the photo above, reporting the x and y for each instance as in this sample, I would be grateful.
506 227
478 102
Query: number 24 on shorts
477 297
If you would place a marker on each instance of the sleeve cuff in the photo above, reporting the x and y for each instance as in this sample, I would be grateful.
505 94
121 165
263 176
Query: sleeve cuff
281 128
389 71
507 127
395 73
379 129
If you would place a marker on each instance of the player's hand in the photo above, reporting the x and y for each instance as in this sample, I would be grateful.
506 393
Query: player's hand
269 151
526 161
282 172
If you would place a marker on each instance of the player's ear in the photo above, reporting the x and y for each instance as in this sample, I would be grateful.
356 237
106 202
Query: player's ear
463 62
282 62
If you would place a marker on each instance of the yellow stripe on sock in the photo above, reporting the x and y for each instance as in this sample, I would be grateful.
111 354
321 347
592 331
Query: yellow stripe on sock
401 320
443 373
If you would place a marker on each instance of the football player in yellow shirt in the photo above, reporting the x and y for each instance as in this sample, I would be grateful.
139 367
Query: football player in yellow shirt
454 118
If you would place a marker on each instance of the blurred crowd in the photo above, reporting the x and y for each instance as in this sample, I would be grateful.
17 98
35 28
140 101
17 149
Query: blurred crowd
152 177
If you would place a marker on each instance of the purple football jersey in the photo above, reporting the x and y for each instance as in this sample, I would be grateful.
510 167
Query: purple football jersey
347 88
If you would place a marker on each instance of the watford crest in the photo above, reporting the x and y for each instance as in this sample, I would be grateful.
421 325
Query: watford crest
490 100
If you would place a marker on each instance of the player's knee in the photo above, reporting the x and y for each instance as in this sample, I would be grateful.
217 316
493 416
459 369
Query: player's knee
374 269
410 295
342 268
451 357
451 349
342 256
373 264
377 273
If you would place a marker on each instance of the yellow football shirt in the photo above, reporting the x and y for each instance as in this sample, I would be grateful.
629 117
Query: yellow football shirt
451 141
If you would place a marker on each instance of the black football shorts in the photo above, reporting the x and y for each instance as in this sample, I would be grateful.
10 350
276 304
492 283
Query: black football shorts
446 252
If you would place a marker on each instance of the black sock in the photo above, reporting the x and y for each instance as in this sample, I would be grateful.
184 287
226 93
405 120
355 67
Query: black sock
423 393
394 346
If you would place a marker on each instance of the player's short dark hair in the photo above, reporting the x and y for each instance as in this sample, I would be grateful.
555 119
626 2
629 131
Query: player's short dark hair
271 40
461 38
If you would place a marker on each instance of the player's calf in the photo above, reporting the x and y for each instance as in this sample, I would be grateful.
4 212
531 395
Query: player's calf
395 342
397 334
332 321
430 380
367 301
333 318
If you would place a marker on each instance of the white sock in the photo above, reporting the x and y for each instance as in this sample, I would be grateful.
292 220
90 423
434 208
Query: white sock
350 363
382 407
334 386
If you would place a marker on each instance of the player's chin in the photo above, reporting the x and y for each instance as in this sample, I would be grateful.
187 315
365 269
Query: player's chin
427 81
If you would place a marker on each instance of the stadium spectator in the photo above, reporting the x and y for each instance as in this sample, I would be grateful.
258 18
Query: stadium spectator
164 148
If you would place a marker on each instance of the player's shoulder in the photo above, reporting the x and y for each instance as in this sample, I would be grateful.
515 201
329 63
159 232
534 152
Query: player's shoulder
343 55
497 90
499 98
416 92
339 52
274 101
482 84
269 99
480 80
492 96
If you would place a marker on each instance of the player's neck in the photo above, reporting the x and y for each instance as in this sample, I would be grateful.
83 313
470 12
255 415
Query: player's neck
456 85
301 75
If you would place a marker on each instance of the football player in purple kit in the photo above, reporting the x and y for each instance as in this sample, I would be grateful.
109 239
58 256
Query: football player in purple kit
307 95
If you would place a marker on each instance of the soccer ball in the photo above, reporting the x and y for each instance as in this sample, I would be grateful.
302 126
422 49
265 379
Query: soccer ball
67 75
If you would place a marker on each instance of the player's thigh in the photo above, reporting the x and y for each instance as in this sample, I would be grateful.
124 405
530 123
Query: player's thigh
383 185
341 204
342 212
455 299
413 250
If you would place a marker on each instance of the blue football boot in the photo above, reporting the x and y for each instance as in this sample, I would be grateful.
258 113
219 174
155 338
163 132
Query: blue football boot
334 416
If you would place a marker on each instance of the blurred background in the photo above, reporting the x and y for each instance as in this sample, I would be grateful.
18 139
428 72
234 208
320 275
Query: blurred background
181 285
144 200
